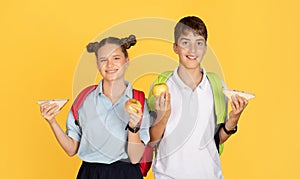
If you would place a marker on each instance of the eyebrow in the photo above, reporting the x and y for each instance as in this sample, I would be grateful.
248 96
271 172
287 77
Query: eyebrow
117 55
101 58
184 39
190 39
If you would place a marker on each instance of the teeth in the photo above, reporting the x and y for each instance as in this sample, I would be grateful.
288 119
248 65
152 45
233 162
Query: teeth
110 71
192 57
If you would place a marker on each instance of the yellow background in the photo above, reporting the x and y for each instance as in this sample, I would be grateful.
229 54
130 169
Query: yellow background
256 43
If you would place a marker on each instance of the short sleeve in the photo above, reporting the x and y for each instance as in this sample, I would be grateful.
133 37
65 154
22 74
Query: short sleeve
144 131
73 130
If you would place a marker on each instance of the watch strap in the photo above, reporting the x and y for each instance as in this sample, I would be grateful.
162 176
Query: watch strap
133 130
229 132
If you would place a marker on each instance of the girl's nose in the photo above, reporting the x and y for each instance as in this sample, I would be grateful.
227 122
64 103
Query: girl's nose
110 62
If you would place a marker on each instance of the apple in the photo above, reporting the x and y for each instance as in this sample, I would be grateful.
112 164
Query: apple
132 102
159 88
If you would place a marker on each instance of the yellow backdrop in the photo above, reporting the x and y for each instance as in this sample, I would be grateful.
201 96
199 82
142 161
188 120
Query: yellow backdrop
256 43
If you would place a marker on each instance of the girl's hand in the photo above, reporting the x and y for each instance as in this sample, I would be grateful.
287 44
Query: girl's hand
135 117
49 111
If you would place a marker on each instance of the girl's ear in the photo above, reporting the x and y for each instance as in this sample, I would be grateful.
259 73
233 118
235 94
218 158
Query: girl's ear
127 61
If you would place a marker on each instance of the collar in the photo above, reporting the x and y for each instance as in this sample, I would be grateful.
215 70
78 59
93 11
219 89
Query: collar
128 90
181 84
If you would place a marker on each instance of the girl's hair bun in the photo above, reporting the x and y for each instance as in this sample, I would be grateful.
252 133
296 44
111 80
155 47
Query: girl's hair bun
129 41
92 47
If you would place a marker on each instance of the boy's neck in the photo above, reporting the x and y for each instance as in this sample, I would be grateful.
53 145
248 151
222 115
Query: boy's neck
191 77
113 89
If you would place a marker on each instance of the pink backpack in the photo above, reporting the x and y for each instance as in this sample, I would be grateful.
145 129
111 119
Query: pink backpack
146 161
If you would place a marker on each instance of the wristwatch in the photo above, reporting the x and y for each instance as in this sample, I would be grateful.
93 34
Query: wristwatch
229 132
133 130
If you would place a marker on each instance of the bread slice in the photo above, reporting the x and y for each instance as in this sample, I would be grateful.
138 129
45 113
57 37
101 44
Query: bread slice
229 92
59 102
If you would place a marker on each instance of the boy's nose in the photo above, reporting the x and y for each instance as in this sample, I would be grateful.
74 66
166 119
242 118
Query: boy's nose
192 48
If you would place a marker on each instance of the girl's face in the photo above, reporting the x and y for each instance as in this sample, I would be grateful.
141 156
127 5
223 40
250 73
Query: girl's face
111 62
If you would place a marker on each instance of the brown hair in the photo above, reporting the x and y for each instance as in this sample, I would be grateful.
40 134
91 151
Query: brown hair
124 43
190 23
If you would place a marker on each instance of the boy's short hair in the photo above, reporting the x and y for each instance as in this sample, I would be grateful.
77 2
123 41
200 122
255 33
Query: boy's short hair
190 23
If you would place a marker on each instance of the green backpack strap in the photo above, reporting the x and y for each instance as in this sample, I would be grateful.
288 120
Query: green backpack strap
162 78
219 97
219 100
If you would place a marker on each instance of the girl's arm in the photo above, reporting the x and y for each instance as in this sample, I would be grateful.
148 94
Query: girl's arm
136 147
49 111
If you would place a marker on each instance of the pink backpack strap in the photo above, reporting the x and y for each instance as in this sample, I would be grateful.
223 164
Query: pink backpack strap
80 99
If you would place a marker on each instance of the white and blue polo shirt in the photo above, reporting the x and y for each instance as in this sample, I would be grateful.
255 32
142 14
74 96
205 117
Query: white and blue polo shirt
102 133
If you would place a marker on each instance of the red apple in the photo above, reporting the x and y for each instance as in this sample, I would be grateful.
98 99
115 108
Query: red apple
132 102
159 88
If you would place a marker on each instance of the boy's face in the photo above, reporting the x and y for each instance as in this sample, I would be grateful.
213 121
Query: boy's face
190 48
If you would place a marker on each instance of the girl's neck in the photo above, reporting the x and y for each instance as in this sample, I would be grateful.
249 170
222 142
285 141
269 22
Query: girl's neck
113 89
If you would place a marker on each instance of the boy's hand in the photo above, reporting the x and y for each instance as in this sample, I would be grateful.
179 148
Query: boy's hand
163 106
238 104
49 111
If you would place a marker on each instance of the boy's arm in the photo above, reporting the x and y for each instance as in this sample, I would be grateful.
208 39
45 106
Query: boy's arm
49 111
163 111
238 104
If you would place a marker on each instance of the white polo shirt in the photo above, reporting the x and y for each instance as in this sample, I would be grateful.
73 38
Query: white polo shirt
187 149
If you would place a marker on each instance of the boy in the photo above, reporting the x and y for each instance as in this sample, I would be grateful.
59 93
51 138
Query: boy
187 134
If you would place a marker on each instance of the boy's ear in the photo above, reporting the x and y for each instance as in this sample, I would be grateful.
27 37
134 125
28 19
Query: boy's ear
175 48
204 50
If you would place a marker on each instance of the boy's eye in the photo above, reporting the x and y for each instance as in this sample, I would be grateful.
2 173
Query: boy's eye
200 43
116 58
184 43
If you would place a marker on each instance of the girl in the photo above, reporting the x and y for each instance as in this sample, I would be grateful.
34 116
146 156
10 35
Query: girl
106 149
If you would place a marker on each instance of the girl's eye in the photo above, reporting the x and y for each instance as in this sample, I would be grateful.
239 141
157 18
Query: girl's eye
102 60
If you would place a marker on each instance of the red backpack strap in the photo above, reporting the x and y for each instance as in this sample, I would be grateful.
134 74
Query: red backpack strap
79 101
140 96
146 160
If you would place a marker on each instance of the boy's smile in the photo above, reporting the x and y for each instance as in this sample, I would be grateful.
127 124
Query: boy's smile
190 48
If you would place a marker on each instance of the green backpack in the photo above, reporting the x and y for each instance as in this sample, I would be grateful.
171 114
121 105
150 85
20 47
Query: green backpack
219 98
